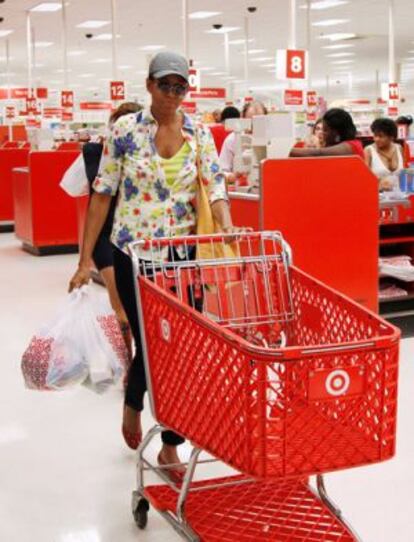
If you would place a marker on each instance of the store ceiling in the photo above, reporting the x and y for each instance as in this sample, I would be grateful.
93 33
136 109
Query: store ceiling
158 22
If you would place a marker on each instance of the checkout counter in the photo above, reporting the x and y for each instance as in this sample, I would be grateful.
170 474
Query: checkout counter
45 216
326 208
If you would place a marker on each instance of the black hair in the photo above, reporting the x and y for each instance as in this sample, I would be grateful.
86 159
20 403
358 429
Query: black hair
229 112
341 122
386 127
406 120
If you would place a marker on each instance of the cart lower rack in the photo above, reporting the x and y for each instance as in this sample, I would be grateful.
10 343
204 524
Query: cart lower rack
269 371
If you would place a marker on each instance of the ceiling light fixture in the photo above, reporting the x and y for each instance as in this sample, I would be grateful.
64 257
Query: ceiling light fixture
337 36
203 14
330 22
339 46
152 47
339 55
100 61
256 51
240 41
104 37
92 24
261 58
4 33
326 4
223 30
47 7
336 62
76 53
43 44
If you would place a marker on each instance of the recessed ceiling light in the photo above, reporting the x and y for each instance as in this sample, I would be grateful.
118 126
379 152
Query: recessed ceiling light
325 4
5 33
206 69
339 55
125 66
342 62
76 53
339 46
92 24
217 73
203 14
152 47
85 75
338 36
100 61
104 37
256 51
61 70
43 44
240 41
272 65
229 78
46 7
330 22
223 30
261 58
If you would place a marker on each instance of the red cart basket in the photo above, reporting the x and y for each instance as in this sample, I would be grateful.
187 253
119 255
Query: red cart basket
269 371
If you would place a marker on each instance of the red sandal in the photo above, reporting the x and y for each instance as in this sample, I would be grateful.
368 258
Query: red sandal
133 438
176 476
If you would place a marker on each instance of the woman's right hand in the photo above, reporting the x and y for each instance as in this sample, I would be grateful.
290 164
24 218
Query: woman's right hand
80 278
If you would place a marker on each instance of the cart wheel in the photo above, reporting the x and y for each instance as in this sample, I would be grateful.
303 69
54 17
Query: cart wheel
141 513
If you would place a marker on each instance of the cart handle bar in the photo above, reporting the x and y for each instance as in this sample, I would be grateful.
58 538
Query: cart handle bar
216 237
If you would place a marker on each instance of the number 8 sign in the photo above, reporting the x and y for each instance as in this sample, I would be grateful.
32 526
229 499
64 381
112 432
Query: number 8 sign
291 64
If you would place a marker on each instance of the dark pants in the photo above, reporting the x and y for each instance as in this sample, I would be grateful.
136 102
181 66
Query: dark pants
137 384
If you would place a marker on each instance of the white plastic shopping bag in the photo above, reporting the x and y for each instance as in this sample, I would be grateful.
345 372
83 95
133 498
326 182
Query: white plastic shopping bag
74 182
83 343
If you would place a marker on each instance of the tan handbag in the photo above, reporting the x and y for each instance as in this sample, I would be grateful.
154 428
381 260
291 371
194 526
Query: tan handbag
207 225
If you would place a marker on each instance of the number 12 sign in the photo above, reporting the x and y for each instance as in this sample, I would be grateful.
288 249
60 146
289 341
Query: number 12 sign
292 64
117 90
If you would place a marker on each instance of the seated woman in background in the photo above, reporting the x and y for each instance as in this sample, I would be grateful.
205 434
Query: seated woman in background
315 139
384 156
339 136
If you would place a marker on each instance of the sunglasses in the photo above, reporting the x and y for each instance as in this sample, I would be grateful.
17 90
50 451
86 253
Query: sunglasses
176 88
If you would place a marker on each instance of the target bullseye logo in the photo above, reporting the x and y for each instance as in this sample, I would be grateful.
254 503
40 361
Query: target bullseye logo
165 330
338 383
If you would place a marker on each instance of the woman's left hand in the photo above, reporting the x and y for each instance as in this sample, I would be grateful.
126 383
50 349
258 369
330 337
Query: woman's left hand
234 232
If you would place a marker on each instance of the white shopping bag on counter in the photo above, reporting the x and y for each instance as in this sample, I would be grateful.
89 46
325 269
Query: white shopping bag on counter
83 343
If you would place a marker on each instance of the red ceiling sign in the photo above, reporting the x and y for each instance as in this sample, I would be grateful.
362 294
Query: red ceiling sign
293 97
117 90
52 112
189 107
67 115
67 98
10 112
210 93
295 64
393 111
194 80
31 106
22 93
95 106
312 98
394 91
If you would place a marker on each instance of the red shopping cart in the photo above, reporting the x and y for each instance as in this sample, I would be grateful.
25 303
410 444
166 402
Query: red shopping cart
275 374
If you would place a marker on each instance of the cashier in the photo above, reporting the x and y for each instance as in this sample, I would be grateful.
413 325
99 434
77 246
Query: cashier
339 136
228 150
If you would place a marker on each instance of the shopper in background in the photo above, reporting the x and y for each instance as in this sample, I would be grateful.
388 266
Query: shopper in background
250 110
315 139
339 136
384 157
152 161
219 130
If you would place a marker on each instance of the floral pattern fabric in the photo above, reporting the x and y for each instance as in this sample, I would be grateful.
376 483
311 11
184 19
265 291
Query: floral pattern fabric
150 205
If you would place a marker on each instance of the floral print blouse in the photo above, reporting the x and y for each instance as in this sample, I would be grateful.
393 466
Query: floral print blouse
148 204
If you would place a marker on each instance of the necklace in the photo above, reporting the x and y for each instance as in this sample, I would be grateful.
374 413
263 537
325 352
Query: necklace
389 158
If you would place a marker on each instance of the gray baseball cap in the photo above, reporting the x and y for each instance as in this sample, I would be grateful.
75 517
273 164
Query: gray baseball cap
168 63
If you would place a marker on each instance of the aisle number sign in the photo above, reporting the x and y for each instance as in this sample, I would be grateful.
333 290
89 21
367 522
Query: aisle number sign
117 91
312 98
293 97
10 112
291 64
67 98
194 80
31 105
393 91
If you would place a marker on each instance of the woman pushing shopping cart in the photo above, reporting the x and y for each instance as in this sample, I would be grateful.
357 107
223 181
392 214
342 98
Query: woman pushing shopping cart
269 371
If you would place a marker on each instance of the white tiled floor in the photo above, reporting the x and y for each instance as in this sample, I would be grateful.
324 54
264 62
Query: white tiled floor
65 474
